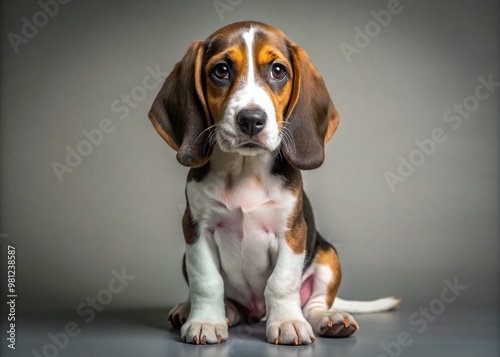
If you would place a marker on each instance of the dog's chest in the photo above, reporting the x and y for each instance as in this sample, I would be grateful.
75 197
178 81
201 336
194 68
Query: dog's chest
243 210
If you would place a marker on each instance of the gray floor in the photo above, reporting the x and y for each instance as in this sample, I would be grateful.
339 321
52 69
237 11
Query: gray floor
147 333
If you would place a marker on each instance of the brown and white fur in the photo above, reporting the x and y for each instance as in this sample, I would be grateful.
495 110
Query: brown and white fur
246 111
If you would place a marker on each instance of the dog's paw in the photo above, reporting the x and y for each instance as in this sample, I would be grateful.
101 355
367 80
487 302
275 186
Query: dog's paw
232 314
292 332
333 323
202 333
179 314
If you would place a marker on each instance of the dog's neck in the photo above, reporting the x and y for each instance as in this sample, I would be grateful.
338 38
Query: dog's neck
231 167
235 164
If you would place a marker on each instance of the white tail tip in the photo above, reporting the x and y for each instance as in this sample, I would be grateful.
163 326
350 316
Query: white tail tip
364 307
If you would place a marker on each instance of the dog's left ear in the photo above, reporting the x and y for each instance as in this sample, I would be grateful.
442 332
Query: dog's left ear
311 116
180 114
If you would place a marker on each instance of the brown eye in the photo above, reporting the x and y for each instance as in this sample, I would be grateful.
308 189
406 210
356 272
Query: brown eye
278 71
220 71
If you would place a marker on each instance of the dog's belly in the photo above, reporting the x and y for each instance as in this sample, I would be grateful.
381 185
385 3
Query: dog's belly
243 225
248 246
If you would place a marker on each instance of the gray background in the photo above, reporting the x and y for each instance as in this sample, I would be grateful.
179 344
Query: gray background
121 207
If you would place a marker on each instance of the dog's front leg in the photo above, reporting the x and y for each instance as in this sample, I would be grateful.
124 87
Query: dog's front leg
207 319
286 323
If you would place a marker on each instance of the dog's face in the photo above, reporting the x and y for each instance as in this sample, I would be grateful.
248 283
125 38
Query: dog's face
248 89
248 80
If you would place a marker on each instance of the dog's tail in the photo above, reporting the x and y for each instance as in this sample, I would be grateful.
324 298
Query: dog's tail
364 307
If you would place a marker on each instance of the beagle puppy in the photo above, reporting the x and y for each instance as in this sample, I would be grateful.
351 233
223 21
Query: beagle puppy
246 111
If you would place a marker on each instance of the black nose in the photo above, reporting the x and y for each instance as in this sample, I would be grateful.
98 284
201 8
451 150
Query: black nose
251 122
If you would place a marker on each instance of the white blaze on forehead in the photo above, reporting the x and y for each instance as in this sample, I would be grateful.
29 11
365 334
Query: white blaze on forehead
248 36
250 93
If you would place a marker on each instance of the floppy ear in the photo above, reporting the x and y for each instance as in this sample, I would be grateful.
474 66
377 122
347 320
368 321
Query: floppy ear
179 112
311 116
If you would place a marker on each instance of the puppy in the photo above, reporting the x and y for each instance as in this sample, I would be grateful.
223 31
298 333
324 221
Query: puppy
246 111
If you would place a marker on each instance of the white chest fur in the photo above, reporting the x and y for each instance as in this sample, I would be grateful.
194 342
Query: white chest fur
242 208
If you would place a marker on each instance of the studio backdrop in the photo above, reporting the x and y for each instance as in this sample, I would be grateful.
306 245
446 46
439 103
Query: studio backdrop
408 193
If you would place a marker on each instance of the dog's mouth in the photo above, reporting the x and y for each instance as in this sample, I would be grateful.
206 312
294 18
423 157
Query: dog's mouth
250 144
248 148
245 146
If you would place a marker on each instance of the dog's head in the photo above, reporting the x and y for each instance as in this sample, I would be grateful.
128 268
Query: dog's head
248 89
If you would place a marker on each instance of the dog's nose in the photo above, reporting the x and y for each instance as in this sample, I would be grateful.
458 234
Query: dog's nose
251 121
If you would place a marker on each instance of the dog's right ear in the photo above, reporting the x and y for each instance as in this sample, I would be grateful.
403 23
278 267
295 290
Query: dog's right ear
180 114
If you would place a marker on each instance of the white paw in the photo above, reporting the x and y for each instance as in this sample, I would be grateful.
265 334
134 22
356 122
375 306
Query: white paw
329 323
290 332
204 332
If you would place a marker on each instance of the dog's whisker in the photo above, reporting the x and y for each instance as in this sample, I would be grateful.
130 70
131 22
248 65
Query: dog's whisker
209 128
287 138
278 154
288 135
212 138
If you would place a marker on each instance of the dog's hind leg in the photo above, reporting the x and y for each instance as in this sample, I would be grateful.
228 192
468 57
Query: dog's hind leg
322 287
180 313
